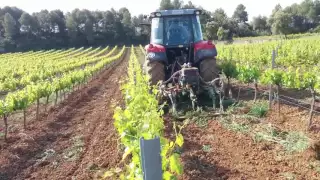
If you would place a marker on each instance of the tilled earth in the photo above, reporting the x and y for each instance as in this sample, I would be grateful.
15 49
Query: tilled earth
213 152
74 139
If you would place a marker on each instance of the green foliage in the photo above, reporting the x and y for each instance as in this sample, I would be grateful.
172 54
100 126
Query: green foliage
10 26
141 118
175 165
166 5
206 148
273 76
259 109
290 141
40 83
222 34
240 14
281 24
235 126
295 142
292 79
311 78
248 73
260 23
4 108
229 68
212 30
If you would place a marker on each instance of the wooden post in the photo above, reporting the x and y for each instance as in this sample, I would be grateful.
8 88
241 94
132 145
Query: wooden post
270 85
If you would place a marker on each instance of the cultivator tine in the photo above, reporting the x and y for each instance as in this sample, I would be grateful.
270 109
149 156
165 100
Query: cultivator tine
221 102
173 102
213 97
194 100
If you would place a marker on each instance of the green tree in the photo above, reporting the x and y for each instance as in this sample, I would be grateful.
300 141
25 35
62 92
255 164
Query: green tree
274 11
240 14
212 30
260 23
177 4
166 5
281 23
222 33
27 23
9 25
189 5
220 16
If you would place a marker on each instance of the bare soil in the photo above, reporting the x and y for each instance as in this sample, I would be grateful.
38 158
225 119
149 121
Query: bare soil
217 153
74 140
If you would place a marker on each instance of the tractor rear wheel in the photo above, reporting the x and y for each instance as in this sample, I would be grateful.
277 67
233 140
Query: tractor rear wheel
208 70
155 70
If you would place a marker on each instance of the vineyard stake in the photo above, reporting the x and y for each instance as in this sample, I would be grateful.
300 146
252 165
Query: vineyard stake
309 122
151 159
5 120
24 119
270 85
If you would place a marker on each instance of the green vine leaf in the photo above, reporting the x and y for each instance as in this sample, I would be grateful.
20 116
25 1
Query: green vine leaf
179 140
175 165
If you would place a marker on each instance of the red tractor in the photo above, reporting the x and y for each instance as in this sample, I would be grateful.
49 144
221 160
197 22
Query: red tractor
179 61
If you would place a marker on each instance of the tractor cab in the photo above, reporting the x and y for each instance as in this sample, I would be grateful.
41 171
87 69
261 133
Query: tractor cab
176 28
176 35
176 31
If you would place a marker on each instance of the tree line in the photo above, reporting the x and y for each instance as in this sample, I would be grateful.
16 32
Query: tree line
21 31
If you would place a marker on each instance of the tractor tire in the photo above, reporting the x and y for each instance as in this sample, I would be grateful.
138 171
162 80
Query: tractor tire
208 70
155 70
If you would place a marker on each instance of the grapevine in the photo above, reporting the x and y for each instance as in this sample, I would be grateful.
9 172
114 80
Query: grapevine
141 119
297 65
33 92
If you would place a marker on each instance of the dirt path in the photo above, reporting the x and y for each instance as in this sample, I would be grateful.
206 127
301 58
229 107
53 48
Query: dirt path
74 140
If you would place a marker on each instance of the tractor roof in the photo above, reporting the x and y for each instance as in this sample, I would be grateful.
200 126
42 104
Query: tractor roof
176 12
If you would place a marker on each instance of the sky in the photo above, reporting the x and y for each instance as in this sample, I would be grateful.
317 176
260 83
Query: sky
254 7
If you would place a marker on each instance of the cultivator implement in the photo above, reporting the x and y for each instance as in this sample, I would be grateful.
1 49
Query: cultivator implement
187 82
183 63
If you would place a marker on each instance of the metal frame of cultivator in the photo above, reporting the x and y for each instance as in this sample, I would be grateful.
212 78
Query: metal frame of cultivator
188 81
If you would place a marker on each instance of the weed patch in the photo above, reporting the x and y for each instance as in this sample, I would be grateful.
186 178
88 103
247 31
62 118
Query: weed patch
259 109
289 176
199 117
290 141
315 165
235 126
206 148
295 142
73 153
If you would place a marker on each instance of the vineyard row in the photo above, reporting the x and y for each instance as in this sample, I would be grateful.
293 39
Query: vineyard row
32 93
141 119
